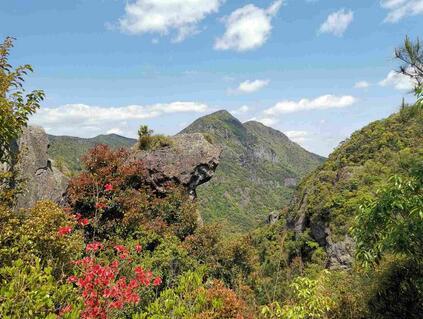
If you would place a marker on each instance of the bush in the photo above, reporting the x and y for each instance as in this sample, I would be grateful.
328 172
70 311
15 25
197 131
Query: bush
34 234
149 142
115 196
27 290
192 299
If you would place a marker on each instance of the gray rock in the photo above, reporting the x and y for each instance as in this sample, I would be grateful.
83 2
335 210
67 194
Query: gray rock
290 182
273 218
190 161
340 254
41 180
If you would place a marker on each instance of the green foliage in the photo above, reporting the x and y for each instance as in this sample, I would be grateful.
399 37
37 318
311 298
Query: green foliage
15 108
27 290
419 95
310 300
411 54
355 170
392 222
67 151
397 290
15 105
33 234
149 142
194 299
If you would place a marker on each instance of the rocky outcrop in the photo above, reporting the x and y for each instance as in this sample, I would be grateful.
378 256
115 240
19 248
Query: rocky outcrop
273 218
189 161
339 253
41 180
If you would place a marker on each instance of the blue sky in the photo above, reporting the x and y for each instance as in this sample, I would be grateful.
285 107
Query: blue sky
314 69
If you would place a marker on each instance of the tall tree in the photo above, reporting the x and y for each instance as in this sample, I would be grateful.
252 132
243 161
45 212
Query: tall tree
15 104
411 55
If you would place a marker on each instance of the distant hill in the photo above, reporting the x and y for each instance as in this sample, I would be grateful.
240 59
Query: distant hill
68 150
258 172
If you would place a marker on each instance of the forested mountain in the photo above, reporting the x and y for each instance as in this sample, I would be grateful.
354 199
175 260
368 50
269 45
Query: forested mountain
68 150
258 171
327 201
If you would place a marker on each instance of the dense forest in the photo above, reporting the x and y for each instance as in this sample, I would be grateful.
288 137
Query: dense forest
348 244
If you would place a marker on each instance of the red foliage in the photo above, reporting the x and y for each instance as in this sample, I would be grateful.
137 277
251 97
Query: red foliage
115 192
62 231
103 287
138 248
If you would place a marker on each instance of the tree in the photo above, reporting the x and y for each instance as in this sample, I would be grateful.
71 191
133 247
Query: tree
411 54
393 220
15 105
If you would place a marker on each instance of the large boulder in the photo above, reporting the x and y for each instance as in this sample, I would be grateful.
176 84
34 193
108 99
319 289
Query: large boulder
189 161
41 180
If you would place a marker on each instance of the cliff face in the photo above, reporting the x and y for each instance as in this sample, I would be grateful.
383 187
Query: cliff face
42 181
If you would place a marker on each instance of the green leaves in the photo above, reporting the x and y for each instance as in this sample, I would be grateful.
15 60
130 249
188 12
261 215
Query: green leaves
15 105
393 220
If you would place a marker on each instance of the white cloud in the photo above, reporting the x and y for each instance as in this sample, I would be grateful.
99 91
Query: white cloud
398 81
243 109
115 130
86 120
248 28
297 136
252 86
267 121
319 103
337 22
362 85
164 16
399 9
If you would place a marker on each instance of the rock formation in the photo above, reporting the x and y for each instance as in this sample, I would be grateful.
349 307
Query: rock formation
40 179
190 161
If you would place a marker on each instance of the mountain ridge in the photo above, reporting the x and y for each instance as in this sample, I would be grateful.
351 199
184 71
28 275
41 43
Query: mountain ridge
259 168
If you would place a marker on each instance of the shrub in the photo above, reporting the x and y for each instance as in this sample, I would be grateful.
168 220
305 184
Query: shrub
109 280
115 195
27 290
192 299
33 234
309 300
149 142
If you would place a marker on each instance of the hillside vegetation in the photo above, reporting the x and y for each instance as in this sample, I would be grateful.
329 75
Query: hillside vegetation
257 174
329 197
68 150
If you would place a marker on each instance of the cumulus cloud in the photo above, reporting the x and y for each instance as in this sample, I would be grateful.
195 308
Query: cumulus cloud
362 85
247 87
337 22
319 103
243 109
165 16
267 121
86 120
248 28
399 9
297 136
398 81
